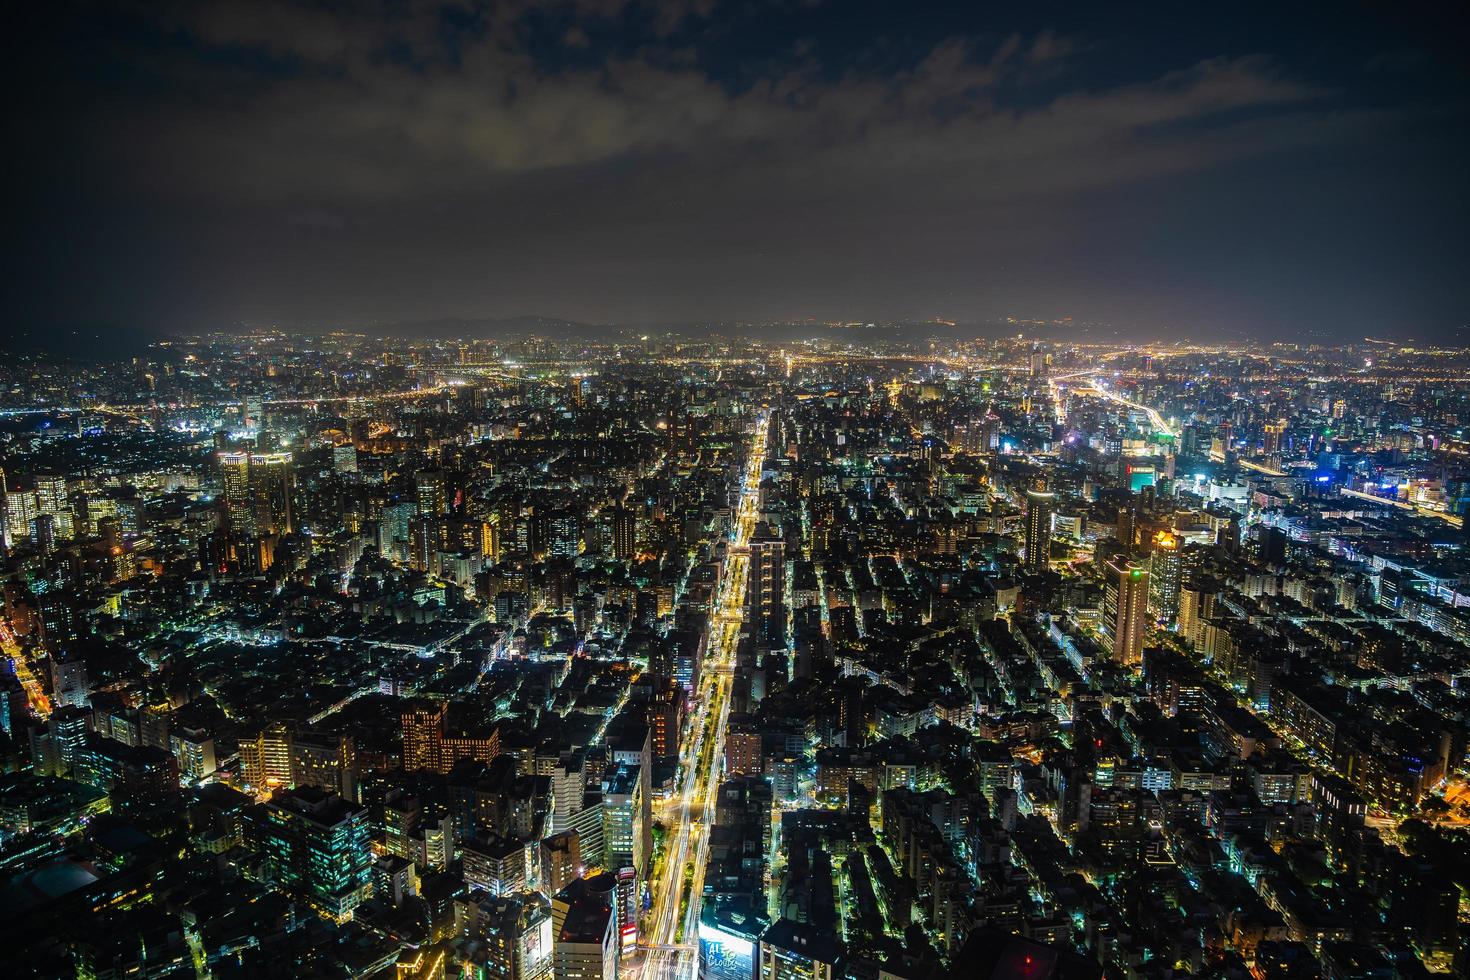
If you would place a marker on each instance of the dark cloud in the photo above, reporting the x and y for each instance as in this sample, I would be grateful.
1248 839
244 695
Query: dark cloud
619 159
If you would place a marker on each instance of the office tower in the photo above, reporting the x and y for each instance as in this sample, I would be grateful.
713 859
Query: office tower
430 489
1040 506
990 432
624 827
568 787
394 530
234 469
766 586
272 481
498 865
316 846
798 951
1166 569
518 939
563 534
624 533
728 938
1039 363
265 758
1125 611
325 760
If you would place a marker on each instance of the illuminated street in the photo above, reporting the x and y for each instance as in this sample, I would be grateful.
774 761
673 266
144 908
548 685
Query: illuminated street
674 916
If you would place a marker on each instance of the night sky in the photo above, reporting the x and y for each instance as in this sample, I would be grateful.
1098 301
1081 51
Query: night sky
1293 171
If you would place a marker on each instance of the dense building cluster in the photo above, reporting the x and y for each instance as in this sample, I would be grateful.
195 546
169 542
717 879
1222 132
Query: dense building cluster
342 657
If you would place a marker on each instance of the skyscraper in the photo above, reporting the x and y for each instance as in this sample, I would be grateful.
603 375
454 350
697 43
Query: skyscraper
624 532
1040 506
257 492
1125 610
1271 440
272 482
1165 574
234 470
53 497
430 488
766 586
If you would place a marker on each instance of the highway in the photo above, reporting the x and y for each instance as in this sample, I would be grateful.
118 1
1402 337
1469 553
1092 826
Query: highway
1154 418
669 935
40 703
1450 519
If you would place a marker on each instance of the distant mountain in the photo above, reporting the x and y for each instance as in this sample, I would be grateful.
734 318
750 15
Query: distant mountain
492 328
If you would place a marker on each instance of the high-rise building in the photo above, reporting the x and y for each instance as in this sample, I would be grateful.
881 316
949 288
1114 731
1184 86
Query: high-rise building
624 829
257 492
423 730
624 533
1125 610
194 748
1040 363
1196 608
234 469
316 845
1271 439
430 489
728 938
53 497
766 584
1127 530
265 759
272 481
69 684
561 860
325 760
1166 571
1040 508
20 510
518 939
